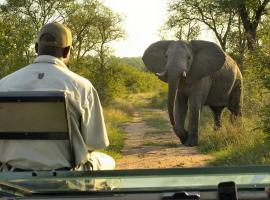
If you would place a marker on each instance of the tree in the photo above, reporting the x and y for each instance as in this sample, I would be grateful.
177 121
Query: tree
109 28
15 42
20 20
81 20
208 12
94 26
236 41
39 12
251 13
183 30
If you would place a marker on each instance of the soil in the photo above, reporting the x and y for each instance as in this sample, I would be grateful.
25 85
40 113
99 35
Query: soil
162 150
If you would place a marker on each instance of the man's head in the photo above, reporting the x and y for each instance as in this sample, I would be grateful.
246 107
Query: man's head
54 39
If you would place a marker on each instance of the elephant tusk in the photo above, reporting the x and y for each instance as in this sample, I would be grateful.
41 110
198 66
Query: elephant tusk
184 74
161 74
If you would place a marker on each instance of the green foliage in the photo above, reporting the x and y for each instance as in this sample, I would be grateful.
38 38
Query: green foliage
250 154
94 26
15 39
136 80
262 57
257 91
229 135
116 79
107 80
156 121
115 118
188 16
241 143
132 61
160 99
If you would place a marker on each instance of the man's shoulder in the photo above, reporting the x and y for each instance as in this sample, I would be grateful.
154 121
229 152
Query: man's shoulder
14 74
79 79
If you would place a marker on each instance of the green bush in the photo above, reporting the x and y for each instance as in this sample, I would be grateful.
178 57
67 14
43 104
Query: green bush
116 79
116 115
160 99
106 80
137 81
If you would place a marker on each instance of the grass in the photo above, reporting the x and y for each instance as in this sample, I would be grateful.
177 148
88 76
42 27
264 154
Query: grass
245 154
239 144
157 122
140 100
117 138
159 100
166 144
116 115
120 112
154 132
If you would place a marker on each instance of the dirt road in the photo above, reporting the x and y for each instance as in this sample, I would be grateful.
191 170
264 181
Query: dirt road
148 147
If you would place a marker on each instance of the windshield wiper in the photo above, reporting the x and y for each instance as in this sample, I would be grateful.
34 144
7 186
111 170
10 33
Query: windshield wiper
12 190
181 195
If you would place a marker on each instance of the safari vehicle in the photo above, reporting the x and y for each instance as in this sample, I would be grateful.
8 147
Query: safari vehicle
166 184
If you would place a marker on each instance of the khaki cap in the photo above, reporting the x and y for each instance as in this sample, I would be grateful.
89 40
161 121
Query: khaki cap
61 34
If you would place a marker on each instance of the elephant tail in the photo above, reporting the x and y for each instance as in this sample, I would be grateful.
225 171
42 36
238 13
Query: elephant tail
236 98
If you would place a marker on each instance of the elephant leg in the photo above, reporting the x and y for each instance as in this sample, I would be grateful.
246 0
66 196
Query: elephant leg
193 123
196 100
180 116
217 111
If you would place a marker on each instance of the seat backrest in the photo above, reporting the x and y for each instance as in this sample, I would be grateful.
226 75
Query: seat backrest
35 115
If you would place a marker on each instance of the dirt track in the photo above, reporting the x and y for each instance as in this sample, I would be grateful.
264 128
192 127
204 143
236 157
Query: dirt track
162 150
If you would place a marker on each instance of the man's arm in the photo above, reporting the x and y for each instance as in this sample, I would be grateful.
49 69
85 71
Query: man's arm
92 124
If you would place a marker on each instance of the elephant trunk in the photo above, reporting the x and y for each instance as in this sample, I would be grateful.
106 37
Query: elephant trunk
173 88
173 81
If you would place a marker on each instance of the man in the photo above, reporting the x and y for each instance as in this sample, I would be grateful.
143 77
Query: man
49 72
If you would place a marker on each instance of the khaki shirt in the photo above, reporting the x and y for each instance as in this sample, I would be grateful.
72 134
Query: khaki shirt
48 73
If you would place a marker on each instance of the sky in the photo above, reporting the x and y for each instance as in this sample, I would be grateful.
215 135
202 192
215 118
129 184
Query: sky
143 19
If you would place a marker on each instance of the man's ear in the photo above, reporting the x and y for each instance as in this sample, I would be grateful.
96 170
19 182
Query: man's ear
66 52
36 47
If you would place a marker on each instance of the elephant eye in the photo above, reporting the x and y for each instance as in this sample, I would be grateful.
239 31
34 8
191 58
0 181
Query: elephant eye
188 57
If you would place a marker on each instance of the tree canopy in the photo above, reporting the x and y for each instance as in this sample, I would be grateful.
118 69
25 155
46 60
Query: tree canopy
93 27
231 21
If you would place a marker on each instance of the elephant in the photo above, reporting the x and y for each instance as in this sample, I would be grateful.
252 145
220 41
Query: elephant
199 73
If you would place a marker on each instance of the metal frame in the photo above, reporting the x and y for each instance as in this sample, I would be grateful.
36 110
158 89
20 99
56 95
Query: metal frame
237 170
39 96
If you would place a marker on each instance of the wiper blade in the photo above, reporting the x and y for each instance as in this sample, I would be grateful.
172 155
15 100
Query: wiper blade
7 189
181 195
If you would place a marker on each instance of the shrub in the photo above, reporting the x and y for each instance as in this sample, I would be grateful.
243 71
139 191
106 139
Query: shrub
137 81
116 79
106 80
160 99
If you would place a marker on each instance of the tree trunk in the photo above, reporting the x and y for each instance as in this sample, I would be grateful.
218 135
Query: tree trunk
251 23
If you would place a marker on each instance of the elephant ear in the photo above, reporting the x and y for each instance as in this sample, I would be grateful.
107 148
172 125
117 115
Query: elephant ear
154 57
208 58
